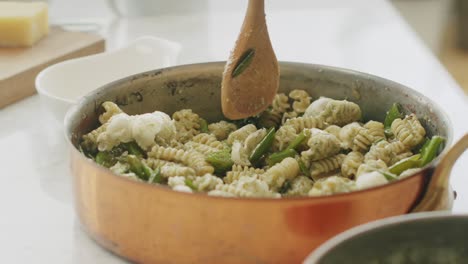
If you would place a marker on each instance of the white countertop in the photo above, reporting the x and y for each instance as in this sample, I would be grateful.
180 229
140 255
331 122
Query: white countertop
38 224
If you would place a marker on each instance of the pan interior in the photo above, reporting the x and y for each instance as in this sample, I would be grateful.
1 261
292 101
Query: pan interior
197 87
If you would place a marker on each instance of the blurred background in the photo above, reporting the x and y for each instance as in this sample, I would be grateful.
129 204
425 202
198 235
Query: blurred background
441 24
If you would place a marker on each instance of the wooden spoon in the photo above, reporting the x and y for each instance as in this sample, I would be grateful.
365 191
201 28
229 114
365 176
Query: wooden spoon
438 195
251 75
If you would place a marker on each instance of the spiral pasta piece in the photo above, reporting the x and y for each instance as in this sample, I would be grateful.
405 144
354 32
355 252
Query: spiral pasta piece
110 110
324 166
253 139
241 134
288 115
363 140
322 145
238 171
379 151
351 163
340 113
409 130
176 170
208 140
204 143
170 169
275 176
301 100
332 185
397 147
206 182
221 129
245 187
317 106
303 122
401 156
280 103
187 124
177 183
370 166
334 130
300 186
191 159
200 148
375 129
285 135
348 133
90 141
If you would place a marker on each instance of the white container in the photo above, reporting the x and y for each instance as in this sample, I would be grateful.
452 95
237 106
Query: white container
62 84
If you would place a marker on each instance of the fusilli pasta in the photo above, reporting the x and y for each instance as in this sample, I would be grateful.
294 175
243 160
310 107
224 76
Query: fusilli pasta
275 176
409 130
301 100
300 186
351 163
322 167
331 185
221 129
312 142
110 110
322 145
187 124
191 159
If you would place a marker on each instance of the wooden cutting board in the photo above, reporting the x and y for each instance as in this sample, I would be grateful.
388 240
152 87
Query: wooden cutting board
20 66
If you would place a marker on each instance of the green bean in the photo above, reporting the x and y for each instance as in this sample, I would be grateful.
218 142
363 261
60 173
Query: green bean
263 146
409 163
285 187
388 176
189 183
392 114
155 176
243 63
105 158
421 146
303 168
279 156
221 161
138 167
297 141
203 126
133 149
429 151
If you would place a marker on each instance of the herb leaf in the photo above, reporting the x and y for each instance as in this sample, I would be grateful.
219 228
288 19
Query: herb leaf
243 63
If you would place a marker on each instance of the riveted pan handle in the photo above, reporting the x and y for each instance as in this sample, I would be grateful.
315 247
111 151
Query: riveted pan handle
437 196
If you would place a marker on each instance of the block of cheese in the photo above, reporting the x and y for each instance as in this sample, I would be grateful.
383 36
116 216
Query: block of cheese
22 24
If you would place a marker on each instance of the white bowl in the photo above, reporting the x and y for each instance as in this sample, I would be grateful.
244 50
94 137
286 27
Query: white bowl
62 84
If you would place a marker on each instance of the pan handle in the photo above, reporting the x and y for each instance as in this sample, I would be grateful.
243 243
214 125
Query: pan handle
437 193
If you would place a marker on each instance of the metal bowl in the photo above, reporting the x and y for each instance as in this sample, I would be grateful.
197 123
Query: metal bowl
428 238
153 224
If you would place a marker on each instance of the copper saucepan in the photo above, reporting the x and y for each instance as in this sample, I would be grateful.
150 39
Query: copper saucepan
153 224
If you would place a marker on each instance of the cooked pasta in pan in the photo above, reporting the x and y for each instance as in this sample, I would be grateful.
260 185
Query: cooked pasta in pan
297 147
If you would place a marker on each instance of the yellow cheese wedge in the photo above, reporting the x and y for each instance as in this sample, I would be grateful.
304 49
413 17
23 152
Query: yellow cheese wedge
22 24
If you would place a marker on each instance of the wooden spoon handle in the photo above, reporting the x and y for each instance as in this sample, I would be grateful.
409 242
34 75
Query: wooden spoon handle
255 10
437 196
